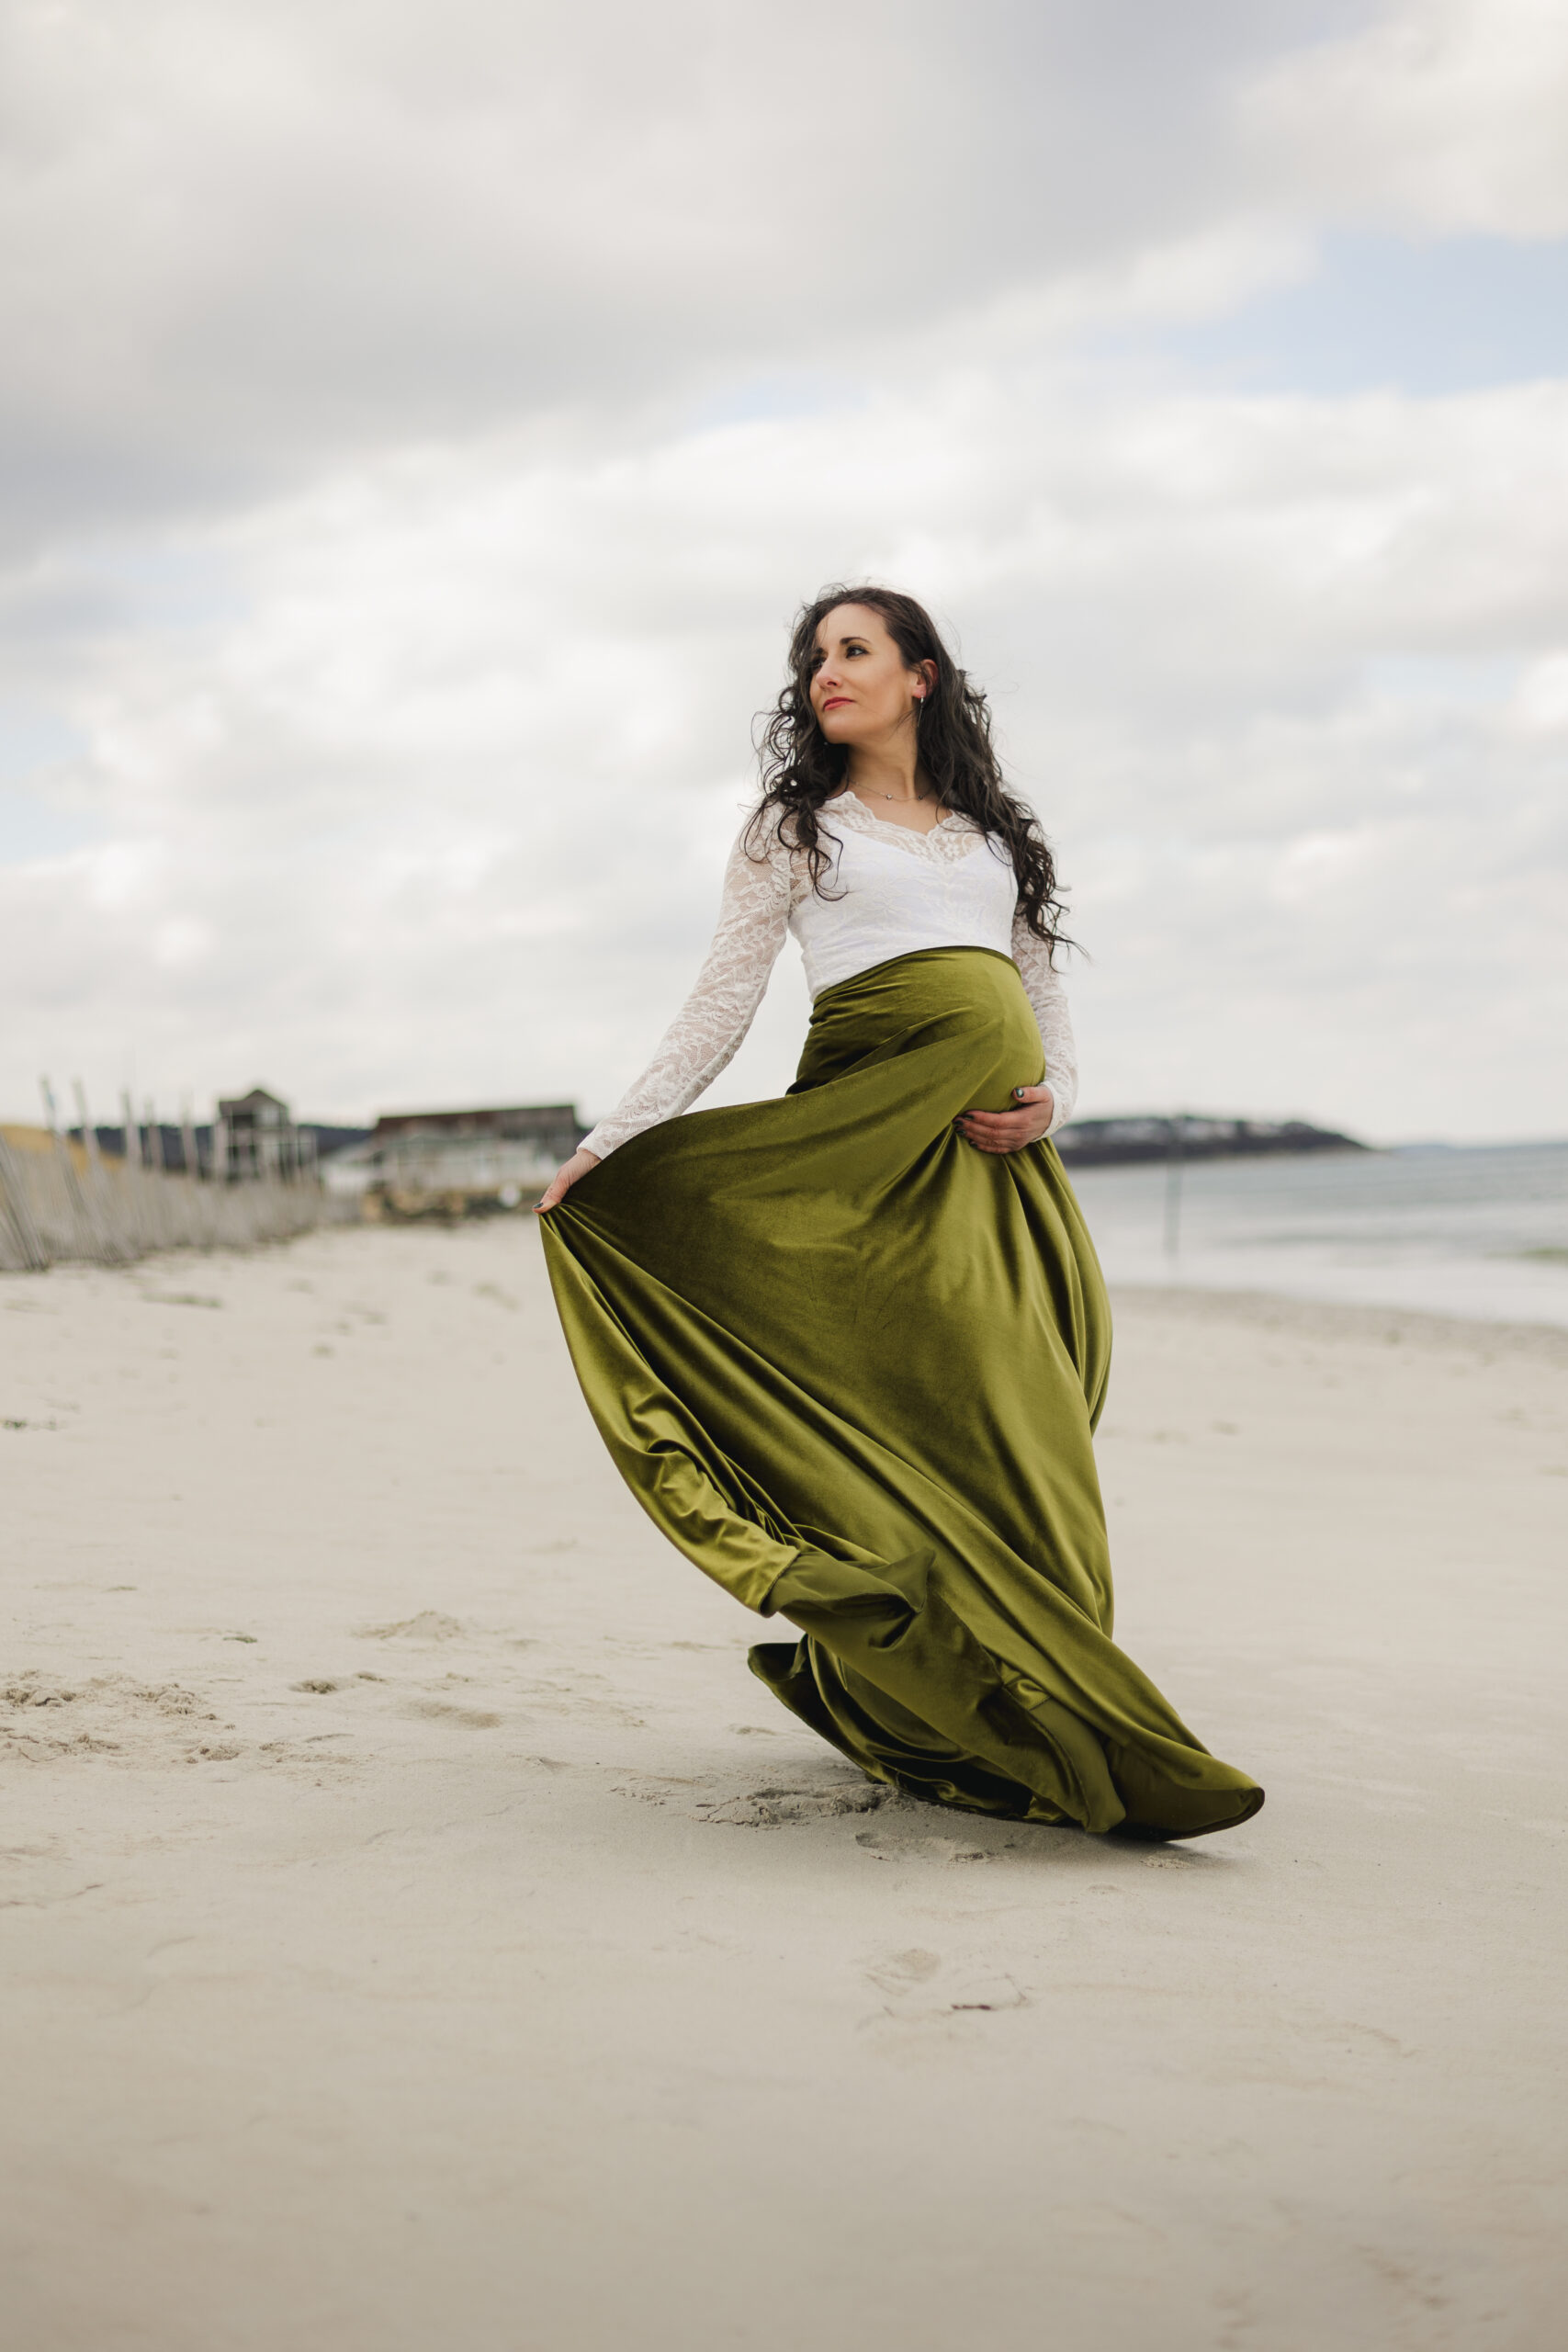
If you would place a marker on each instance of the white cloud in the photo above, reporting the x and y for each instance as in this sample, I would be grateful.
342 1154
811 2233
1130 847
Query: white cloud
1449 113
372 529
443 812
241 242
1540 703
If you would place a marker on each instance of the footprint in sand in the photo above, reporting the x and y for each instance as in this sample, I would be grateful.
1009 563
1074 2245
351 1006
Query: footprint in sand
430 1626
769 1808
986 1993
894 1839
903 1974
442 1711
901 1970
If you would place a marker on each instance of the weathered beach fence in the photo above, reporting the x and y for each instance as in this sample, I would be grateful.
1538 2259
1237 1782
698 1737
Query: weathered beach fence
63 1197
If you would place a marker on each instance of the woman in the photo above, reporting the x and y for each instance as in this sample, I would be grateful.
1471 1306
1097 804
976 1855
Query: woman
848 1349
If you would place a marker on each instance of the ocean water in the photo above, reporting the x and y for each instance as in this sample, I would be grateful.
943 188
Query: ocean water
1476 1231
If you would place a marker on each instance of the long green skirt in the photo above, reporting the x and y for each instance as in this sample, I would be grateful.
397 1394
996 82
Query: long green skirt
851 1366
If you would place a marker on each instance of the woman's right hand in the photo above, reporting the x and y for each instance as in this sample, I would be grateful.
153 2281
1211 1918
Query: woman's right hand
565 1178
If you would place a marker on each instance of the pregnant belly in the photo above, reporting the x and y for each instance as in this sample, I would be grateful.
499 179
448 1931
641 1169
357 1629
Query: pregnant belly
967 997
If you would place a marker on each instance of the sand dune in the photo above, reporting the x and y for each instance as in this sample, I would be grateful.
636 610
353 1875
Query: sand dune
420 1930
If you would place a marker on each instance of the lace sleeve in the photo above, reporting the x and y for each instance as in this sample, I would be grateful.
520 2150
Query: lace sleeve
707 1031
1043 986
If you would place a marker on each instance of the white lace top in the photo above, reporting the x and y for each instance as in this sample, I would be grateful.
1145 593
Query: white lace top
894 892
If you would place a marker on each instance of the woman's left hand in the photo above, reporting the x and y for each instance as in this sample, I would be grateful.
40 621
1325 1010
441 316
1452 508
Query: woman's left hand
1010 1130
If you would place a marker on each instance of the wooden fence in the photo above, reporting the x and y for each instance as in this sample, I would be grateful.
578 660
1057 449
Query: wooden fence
61 1199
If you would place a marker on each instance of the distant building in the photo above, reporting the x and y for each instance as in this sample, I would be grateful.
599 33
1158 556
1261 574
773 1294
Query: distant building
255 1134
414 1161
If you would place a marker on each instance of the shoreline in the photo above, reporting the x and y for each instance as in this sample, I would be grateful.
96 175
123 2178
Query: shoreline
1353 1318
1240 1301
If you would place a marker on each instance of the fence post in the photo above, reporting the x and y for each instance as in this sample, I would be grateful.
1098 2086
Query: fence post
198 1205
115 1251
188 1139
75 1198
158 1191
135 1183
16 1213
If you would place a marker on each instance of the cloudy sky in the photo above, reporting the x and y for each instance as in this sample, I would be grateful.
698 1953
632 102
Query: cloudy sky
421 417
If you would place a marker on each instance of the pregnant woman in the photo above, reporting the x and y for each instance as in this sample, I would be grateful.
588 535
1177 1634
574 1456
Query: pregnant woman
848 1349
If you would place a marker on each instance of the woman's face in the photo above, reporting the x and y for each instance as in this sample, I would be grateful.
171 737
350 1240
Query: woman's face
861 688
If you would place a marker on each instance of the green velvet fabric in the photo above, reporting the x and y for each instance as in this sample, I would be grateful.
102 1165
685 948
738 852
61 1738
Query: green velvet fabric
851 1367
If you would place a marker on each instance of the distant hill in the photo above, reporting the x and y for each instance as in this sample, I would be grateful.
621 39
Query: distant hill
1109 1143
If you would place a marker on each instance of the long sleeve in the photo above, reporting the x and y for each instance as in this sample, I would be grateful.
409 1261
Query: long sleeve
1043 986
707 1031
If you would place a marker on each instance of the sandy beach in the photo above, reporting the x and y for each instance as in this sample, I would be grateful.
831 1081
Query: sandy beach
420 1929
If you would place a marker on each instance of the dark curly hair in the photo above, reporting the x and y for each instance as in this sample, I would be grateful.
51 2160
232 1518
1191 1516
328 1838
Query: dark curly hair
800 769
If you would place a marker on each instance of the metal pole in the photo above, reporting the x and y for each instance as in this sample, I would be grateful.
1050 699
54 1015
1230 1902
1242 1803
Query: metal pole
1176 1138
